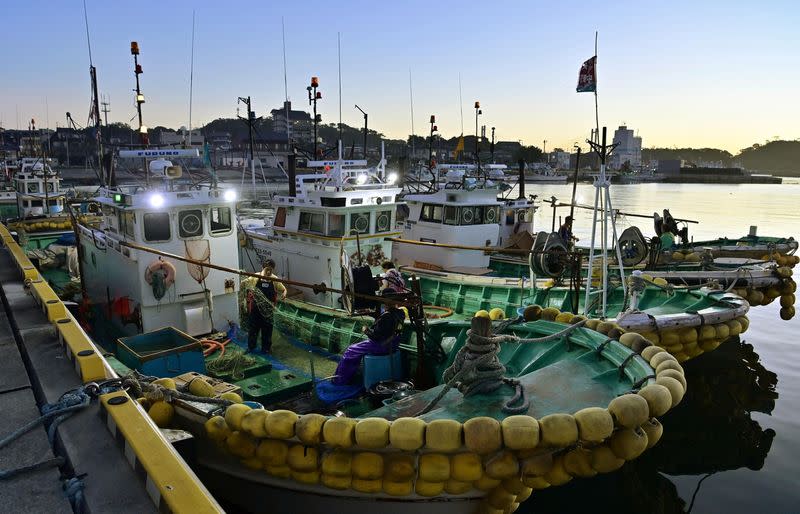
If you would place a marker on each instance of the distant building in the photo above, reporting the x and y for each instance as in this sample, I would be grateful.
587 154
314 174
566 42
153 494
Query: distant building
629 149
559 160
181 138
298 124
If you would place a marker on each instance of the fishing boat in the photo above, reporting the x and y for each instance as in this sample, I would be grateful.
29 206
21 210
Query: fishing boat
539 173
451 448
468 210
139 292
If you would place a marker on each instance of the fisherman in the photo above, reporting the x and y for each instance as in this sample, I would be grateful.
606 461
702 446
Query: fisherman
261 297
391 281
565 232
383 338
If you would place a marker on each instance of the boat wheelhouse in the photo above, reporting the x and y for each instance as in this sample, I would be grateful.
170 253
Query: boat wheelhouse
343 214
466 211
142 291
38 189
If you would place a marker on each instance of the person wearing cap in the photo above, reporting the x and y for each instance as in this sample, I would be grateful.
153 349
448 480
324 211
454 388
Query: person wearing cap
566 232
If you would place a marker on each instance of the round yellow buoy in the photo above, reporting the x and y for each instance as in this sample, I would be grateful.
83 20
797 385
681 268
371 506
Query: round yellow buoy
628 443
604 460
231 397
444 435
280 424
595 424
217 429
199 387
496 314
532 313
564 317
503 465
339 432
337 463
677 256
654 430
241 444
429 489
550 313
166 382
629 410
482 314
658 397
787 300
273 452
234 414
557 475
457 486
578 463
308 428
558 430
675 387
253 422
399 467
787 313
520 432
407 433
434 467
466 467
482 435
367 465
302 458
401 488
336 481
659 281
372 433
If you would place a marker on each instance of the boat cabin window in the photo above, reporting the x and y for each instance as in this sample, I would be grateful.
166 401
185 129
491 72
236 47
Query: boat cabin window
336 225
156 226
127 219
33 188
190 223
312 222
220 220
510 217
451 215
359 222
383 221
50 187
431 212
280 217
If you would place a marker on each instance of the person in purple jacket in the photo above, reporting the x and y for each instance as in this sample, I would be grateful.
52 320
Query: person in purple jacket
383 339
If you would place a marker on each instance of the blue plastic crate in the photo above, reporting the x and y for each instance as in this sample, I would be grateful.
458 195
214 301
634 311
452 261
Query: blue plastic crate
166 352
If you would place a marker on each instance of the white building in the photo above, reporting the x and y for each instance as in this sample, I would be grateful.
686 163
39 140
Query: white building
559 160
629 149
181 137
297 125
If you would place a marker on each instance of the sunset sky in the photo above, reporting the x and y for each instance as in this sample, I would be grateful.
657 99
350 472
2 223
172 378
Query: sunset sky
701 74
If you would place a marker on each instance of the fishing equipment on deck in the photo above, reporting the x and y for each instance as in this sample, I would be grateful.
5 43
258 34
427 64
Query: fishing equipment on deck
633 246
548 256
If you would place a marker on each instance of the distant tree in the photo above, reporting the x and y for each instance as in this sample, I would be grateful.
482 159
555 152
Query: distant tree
528 153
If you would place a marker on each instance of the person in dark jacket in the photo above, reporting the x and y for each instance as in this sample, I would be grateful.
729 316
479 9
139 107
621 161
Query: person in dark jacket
260 314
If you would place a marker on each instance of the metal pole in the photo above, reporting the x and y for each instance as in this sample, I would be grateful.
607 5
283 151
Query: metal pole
575 184
596 113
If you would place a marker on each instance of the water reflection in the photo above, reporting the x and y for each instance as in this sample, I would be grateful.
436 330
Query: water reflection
711 431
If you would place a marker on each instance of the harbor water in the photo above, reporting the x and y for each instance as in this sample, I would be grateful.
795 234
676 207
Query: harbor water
733 444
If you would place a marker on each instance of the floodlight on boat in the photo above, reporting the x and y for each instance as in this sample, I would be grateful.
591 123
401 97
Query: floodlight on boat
391 178
314 82
156 200
229 195
140 98
361 179
143 129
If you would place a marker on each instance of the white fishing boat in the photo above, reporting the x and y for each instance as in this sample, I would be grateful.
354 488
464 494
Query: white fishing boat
543 174
140 291
467 210
38 189
342 214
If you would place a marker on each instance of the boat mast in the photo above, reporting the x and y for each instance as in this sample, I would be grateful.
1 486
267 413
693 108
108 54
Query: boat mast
411 95
95 112
137 70
191 84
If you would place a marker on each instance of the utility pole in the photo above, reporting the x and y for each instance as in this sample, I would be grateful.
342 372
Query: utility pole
365 130
105 103
250 120
491 147
434 128
478 112
313 96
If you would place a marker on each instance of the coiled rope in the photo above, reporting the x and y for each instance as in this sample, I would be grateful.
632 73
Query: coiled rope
476 368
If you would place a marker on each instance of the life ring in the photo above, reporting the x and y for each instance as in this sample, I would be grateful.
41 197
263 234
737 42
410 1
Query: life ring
160 264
